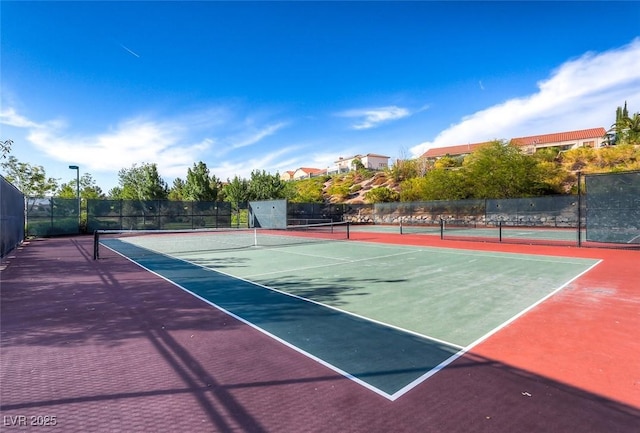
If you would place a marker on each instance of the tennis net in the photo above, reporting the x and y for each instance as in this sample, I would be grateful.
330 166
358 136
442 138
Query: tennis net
202 240
420 227
508 231
450 228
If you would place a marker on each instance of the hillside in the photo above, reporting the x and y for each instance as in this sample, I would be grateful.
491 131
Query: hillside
557 169
360 185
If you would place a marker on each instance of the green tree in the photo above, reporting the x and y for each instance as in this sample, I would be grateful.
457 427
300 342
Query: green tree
448 161
437 184
403 169
88 189
5 148
32 180
633 129
115 193
357 164
265 186
200 185
501 170
140 183
236 191
552 178
176 190
625 129
411 189
547 154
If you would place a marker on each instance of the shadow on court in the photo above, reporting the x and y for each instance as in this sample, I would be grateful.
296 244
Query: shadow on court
105 346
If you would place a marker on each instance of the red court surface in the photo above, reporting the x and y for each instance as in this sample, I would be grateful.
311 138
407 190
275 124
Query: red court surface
104 346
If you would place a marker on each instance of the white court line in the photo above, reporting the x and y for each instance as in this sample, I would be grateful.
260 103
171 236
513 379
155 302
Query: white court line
511 256
487 335
325 265
347 375
392 397
295 253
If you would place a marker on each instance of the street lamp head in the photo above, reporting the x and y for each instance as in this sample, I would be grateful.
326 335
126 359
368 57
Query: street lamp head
77 169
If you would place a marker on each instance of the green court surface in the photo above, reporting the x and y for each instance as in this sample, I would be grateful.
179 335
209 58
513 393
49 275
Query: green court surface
386 315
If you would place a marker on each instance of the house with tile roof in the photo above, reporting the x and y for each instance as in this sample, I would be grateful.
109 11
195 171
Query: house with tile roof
370 161
287 175
307 172
594 137
453 151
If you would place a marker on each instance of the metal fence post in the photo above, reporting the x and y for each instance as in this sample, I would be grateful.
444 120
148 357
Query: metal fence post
579 209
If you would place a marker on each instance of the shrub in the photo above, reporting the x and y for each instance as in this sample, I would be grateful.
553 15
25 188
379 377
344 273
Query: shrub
381 194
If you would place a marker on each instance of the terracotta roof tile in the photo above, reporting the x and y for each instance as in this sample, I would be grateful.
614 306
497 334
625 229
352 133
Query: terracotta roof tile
461 149
310 170
558 137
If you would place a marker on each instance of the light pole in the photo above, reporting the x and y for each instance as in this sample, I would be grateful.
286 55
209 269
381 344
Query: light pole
77 169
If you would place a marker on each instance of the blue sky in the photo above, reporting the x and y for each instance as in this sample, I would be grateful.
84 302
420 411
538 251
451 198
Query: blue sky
280 85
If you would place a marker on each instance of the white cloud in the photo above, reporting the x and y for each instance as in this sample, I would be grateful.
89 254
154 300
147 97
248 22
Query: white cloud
174 145
133 141
257 136
372 117
582 93
9 117
279 160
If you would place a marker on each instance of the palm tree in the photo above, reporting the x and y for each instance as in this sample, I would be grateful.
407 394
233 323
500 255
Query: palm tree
633 129
625 130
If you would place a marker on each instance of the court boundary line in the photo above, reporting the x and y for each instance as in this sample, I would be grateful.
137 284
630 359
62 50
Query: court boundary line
495 330
273 289
486 336
462 350
531 307
283 250
341 262
391 397
465 252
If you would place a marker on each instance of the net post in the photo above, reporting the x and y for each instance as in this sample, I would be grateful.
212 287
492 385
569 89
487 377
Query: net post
441 228
500 230
401 226
348 230
255 237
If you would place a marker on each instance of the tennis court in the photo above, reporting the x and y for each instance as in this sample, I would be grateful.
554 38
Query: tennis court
356 330
383 332
386 316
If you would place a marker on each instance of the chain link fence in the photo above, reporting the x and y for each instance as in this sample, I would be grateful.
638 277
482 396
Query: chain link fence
613 207
12 221
317 213
548 211
52 217
607 212
156 215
